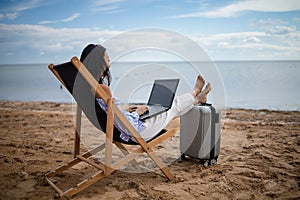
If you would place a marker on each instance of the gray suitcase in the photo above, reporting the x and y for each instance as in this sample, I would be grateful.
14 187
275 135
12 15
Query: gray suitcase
200 134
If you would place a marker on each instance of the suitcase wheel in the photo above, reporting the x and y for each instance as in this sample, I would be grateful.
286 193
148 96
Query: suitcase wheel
213 162
182 157
206 164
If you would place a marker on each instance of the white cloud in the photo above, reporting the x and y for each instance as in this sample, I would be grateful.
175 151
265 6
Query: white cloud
224 44
273 47
71 18
68 19
247 5
282 30
59 44
252 39
48 22
13 12
296 19
9 16
109 9
230 44
106 2
239 36
107 6
26 5
263 23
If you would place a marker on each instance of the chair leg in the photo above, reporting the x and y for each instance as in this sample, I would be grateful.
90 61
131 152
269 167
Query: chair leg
109 138
161 165
77 131
101 173
85 183
125 152
151 154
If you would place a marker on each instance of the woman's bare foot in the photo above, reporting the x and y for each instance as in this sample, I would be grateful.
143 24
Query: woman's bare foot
198 86
202 96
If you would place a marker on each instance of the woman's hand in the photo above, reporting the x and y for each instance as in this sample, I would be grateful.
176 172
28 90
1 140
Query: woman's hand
141 110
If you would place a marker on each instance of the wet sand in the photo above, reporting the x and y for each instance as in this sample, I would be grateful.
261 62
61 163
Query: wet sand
259 158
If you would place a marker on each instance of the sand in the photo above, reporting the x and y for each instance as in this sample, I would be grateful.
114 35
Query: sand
259 158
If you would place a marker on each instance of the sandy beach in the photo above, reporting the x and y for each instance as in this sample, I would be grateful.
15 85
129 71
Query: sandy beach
259 158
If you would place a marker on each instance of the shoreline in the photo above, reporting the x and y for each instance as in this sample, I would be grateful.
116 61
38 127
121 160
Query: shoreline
259 158
70 103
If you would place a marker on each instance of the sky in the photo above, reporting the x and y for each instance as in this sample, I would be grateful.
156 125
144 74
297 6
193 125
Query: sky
43 31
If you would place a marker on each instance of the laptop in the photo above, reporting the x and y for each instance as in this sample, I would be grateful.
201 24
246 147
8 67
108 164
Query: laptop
161 97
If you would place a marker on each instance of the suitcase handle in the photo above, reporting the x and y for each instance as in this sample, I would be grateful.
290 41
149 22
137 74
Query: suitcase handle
215 114
205 104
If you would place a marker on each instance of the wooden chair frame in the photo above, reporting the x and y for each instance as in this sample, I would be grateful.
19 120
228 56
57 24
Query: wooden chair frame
106 168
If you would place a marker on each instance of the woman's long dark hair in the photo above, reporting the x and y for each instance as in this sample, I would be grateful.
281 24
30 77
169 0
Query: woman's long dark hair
96 60
106 77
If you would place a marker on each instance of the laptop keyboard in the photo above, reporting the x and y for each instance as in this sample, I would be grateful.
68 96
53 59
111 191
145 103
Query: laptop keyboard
154 109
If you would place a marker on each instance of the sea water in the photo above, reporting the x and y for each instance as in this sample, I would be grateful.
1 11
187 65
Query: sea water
247 84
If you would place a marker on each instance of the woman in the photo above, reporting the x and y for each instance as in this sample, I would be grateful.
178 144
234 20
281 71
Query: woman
95 58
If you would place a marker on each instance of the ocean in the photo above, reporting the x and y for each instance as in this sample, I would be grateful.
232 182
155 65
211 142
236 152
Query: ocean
272 85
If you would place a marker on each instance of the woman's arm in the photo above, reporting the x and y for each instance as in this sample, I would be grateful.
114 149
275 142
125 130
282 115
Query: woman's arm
106 89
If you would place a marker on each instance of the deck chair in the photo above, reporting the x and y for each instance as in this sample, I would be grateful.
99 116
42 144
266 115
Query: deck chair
66 74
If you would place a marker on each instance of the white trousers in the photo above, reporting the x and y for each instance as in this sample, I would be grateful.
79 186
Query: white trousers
181 105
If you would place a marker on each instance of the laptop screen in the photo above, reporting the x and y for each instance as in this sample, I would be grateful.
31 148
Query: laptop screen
163 92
